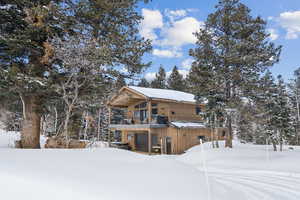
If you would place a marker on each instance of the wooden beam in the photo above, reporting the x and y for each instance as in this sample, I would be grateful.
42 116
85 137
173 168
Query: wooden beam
161 145
149 103
149 142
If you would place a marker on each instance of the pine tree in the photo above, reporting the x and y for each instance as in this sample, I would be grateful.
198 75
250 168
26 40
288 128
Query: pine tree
160 79
27 28
265 105
281 114
294 95
144 83
234 47
176 81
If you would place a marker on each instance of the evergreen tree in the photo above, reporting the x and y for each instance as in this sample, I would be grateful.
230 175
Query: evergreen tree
281 114
234 47
120 82
294 95
160 79
144 83
176 81
26 64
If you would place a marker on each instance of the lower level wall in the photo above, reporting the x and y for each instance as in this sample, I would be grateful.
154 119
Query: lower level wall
181 139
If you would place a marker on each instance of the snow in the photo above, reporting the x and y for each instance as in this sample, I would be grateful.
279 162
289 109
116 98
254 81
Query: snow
247 171
165 94
8 138
254 171
188 125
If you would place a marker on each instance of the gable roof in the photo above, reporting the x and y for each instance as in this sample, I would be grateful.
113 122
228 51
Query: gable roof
167 94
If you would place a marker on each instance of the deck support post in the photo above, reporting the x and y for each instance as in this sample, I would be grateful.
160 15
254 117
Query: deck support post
149 104
149 142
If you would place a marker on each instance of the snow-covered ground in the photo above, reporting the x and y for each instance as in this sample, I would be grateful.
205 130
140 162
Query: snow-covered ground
247 172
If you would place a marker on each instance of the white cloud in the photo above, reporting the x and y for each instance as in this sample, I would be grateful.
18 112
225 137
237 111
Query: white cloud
175 14
150 76
181 32
187 63
167 53
273 34
153 19
290 21
183 72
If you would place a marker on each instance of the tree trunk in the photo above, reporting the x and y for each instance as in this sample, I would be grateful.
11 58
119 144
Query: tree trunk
274 144
30 134
99 124
216 132
66 125
228 142
280 141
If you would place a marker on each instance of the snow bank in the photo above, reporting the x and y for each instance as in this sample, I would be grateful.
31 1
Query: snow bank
8 138
255 170
89 174
249 172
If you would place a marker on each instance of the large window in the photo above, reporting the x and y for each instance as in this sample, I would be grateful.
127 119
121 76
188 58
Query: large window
141 105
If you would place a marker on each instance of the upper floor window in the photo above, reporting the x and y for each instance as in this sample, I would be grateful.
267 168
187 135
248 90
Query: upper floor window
154 111
141 105
154 104
198 110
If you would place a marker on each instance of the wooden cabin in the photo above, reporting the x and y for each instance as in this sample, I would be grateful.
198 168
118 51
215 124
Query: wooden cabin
161 120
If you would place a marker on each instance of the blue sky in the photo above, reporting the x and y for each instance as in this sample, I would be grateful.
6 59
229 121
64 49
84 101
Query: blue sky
170 24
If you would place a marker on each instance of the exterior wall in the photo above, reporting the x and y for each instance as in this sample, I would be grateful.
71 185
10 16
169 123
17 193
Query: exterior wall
174 111
183 112
181 139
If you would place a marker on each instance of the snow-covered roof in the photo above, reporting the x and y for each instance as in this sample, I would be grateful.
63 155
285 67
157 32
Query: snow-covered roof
165 94
187 125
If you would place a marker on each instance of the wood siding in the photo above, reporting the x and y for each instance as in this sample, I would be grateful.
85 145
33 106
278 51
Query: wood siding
181 139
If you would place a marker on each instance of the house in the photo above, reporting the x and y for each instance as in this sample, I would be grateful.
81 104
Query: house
162 120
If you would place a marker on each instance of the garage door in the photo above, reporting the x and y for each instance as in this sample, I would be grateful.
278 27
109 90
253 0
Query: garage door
141 142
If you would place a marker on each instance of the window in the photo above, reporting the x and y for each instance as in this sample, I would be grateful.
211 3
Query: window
143 105
143 115
223 133
198 110
201 137
136 114
154 111
154 104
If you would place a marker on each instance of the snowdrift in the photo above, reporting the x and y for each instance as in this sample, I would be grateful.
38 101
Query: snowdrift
247 172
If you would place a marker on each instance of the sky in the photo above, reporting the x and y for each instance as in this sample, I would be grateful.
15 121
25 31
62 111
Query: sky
170 25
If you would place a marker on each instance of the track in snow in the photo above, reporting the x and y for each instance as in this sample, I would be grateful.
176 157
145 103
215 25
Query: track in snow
259 185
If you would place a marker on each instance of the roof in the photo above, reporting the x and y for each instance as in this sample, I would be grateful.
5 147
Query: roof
187 125
165 94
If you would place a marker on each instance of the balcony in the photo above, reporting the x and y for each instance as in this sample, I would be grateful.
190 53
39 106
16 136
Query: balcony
158 121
